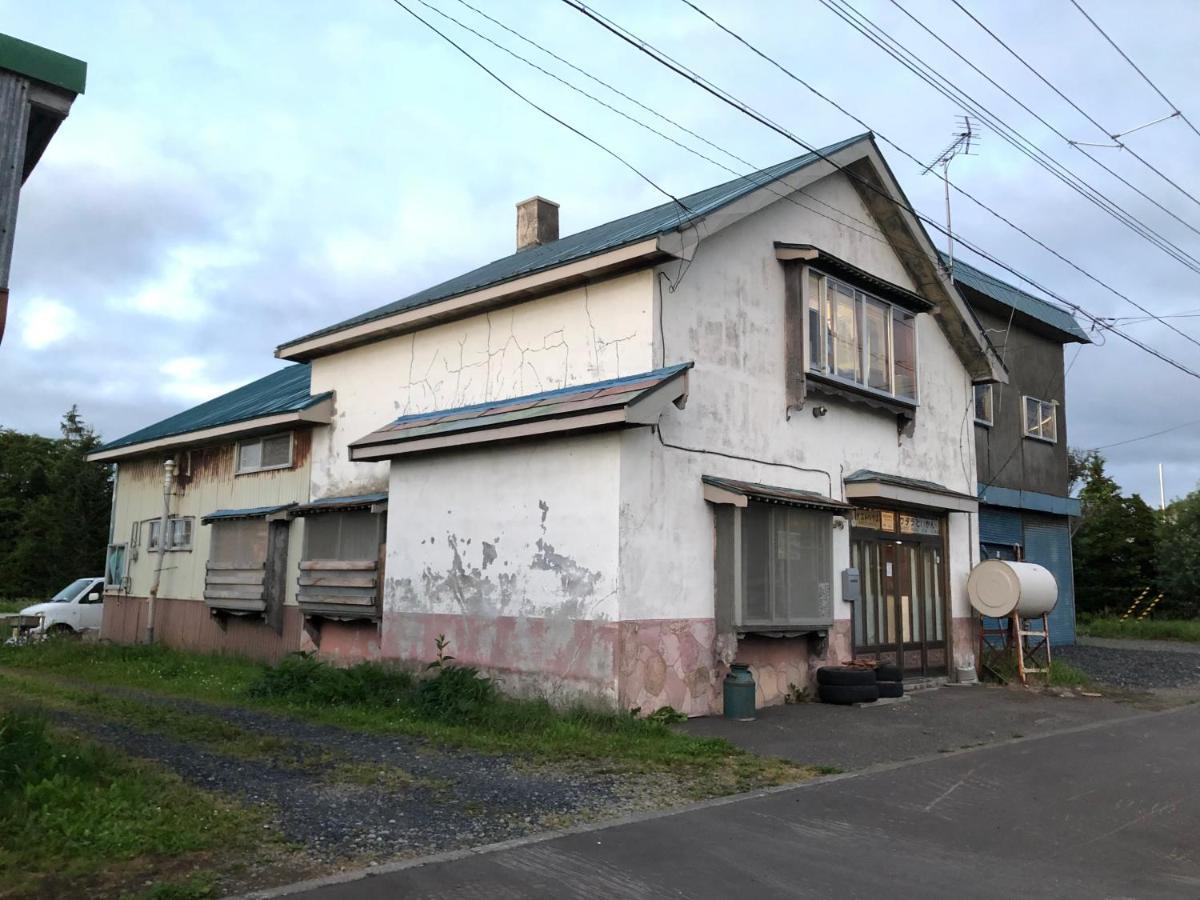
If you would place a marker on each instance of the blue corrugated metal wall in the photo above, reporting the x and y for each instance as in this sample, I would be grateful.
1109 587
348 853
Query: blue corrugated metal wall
1048 543
1045 540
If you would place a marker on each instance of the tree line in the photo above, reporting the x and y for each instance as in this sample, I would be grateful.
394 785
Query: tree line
1123 547
54 509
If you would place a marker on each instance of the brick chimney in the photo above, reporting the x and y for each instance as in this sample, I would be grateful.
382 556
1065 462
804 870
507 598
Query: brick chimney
537 222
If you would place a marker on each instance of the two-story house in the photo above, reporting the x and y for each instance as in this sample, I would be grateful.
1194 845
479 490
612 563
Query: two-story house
607 466
1021 435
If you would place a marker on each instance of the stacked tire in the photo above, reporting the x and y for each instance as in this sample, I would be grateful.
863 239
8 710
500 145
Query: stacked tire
889 679
845 685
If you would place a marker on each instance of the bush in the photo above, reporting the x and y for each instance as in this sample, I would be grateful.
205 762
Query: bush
456 694
306 679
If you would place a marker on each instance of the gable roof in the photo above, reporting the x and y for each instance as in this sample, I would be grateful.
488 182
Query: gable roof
1012 297
284 391
661 219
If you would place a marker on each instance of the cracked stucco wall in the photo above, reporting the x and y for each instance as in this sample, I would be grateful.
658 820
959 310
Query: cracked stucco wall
513 552
727 314
604 330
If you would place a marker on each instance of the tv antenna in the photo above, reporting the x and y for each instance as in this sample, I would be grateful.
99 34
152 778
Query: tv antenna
966 139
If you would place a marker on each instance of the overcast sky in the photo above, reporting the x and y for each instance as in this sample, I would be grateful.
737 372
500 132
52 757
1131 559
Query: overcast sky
239 174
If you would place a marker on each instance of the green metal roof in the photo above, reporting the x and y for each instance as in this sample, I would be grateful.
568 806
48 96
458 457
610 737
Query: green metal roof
41 64
662 219
1015 298
280 392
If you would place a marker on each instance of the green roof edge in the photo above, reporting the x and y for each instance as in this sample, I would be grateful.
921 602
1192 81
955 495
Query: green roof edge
41 64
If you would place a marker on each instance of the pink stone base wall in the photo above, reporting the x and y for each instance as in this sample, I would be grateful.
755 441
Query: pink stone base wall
964 642
563 660
346 642
670 662
781 665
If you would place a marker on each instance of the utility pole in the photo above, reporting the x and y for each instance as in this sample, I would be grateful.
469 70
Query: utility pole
965 139
163 539
1162 494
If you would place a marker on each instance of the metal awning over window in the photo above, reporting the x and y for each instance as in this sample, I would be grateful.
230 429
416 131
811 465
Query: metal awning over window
254 512
740 493
374 502
863 279
879 486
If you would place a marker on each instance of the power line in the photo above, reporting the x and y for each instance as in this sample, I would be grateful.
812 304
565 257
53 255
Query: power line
542 110
1073 104
741 106
1152 434
1043 121
861 23
1146 78
749 177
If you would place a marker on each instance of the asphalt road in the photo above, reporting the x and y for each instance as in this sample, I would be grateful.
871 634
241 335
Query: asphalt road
1104 810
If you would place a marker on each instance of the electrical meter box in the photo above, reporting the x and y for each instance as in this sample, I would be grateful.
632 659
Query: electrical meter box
851 586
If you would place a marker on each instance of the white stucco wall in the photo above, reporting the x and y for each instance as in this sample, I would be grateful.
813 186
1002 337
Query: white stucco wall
727 314
604 330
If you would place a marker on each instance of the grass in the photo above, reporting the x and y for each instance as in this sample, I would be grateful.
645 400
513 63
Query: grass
1141 629
1061 674
452 706
71 810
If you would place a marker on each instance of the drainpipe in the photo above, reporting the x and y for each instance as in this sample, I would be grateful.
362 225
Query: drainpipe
168 480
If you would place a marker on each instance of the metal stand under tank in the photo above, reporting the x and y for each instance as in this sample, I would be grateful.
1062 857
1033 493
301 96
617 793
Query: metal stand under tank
739 693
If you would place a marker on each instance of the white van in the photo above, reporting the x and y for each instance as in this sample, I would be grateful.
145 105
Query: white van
77 607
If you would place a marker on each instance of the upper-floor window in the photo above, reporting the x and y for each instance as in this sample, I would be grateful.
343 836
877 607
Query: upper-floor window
856 337
983 404
1041 419
179 533
273 452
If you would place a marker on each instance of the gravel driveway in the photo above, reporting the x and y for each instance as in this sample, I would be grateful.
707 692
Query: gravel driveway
1137 669
342 793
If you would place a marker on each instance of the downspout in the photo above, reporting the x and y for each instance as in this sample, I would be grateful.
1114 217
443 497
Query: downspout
168 480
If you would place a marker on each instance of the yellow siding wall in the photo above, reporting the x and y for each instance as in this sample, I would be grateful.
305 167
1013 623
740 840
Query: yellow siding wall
211 485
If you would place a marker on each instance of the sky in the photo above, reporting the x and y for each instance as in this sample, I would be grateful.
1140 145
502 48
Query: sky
240 174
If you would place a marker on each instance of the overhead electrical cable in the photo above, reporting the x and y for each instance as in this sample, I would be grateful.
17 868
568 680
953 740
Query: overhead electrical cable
591 140
1175 110
706 85
861 23
750 177
1144 437
1170 212
1075 105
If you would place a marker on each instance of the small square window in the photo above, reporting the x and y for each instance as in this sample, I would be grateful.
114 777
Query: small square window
983 404
1041 419
179 533
273 452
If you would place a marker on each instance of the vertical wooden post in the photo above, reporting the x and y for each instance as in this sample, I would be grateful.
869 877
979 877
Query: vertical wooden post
275 576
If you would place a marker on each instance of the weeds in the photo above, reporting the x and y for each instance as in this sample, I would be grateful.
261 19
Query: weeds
1141 629
69 808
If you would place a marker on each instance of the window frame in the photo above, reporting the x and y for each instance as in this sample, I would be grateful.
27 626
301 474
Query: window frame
741 574
991 405
250 470
155 524
817 286
1038 435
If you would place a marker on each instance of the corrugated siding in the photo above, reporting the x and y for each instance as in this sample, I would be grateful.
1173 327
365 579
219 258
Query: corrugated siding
1048 543
1000 527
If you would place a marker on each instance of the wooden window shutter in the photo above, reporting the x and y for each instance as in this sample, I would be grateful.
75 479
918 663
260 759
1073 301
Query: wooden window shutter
795 315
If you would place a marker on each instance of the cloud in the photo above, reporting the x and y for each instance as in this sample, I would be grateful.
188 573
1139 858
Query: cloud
45 323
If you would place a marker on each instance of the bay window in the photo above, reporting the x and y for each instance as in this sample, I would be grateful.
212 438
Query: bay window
856 337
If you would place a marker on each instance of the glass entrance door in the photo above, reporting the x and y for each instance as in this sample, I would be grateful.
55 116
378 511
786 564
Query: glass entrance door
901 614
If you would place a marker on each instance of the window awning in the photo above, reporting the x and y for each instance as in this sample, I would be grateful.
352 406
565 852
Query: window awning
375 502
616 403
864 280
739 493
868 485
254 512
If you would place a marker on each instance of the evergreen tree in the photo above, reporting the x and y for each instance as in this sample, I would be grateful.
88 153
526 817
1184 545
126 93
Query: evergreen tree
1114 545
54 509
1179 558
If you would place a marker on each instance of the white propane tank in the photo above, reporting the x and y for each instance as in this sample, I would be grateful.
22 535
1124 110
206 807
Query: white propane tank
997 588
